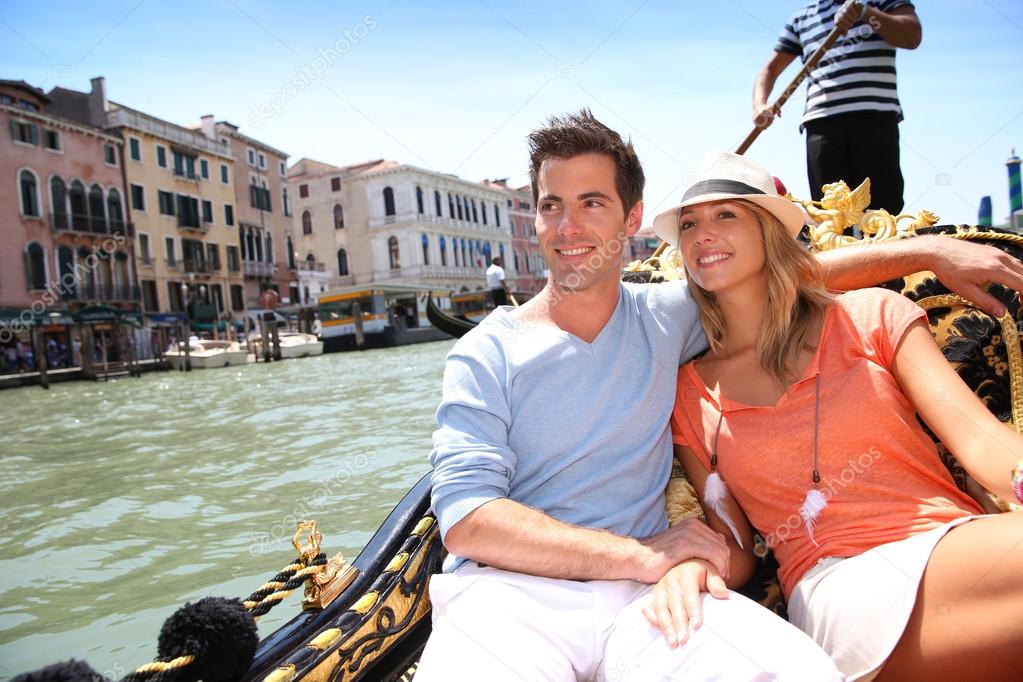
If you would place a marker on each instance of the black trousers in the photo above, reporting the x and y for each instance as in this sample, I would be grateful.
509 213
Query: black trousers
854 146
500 296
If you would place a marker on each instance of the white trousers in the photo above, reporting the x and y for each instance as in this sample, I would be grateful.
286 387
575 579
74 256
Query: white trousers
495 625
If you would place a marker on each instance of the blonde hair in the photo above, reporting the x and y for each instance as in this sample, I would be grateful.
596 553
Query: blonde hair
796 300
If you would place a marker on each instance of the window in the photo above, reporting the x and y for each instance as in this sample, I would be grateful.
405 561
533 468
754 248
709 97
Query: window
252 157
138 197
135 148
174 297
436 203
161 156
303 191
166 200
262 161
392 251
451 207
342 263
388 201
207 211
284 169
194 255
97 210
29 194
51 139
109 155
204 169
259 197
458 203
228 215
6 99
58 202
149 301
483 210
291 254
188 211
497 214
426 250
184 165
475 215
232 259
79 210
443 252
169 251
237 301
307 222
213 256
419 200
145 255
285 204
335 184
35 267
339 217
224 178
24 132
114 212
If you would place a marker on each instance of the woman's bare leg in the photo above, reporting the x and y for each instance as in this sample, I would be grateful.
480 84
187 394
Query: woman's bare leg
968 619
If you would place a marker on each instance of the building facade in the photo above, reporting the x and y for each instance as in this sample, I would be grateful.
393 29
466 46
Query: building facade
527 259
67 245
262 211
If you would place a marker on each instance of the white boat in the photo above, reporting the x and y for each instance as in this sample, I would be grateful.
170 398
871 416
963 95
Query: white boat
207 354
293 345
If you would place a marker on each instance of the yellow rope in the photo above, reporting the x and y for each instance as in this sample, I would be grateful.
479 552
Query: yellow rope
164 666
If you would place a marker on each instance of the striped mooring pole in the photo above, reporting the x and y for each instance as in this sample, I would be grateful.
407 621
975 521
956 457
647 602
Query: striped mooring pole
1015 185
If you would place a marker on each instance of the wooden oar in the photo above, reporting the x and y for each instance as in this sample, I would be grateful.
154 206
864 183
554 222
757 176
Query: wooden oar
787 92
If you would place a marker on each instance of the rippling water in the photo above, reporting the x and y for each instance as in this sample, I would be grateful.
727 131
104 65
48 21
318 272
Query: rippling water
123 500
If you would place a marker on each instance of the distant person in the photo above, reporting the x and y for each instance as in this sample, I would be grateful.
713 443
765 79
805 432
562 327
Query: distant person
496 282
852 110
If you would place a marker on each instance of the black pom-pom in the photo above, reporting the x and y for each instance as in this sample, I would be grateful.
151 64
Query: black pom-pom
219 632
65 671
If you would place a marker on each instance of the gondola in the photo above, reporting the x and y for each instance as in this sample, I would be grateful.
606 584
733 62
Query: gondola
449 324
370 619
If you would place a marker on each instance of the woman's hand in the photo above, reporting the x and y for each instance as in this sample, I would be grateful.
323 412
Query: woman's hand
675 605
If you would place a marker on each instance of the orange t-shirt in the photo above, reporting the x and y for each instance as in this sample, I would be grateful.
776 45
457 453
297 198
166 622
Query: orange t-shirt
879 470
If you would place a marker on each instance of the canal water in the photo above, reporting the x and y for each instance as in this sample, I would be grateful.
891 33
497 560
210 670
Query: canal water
123 500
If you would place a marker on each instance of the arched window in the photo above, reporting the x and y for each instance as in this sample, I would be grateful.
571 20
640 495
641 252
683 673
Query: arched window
459 204
419 200
120 275
269 248
310 260
475 215
58 203
426 250
35 267
497 215
486 254
500 251
87 266
443 251
342 263
483 210
451 207
392 251
388 201
114 210
79 208
339 217
465 257
29 193
454 251
68 285
436 202
307 222
97 212
291 254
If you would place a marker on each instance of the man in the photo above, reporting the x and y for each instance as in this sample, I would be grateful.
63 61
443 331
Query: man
495 282
553 452
852 110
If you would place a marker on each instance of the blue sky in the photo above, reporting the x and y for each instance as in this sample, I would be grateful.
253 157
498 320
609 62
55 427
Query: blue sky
456 86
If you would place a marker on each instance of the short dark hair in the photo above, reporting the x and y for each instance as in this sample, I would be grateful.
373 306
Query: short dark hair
497 260
573 134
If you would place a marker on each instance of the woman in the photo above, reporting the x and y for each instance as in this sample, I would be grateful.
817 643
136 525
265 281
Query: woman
800 421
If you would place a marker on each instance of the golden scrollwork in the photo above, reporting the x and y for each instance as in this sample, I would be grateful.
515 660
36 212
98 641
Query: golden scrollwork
667 262
309 545
841 208
325 586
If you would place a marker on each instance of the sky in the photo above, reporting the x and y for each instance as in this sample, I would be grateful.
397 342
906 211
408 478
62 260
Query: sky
455 87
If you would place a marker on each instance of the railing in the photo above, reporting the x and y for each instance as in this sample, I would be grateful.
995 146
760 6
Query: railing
257 269
450 223
59 221
80 222
168 131
198 266
311 267
103 292
186 174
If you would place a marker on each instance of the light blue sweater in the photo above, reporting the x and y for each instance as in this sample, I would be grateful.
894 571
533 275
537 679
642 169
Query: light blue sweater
577 430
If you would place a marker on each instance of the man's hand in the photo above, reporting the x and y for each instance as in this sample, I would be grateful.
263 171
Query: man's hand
968 268
689 539
764 115
675 605
848 14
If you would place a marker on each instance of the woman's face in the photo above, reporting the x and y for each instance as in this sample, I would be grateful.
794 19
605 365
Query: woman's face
722 244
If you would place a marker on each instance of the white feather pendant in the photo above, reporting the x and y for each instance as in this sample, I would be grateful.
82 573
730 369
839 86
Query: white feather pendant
715 492
813 505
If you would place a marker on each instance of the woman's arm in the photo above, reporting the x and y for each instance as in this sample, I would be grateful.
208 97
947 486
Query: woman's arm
985 447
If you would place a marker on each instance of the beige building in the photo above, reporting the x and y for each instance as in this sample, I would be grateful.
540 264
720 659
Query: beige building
262 211
383 221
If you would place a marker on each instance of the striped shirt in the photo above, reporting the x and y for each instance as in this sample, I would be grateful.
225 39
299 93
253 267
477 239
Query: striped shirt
856 74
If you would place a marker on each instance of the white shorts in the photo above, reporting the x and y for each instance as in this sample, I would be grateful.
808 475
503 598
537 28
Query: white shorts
496 625
857 608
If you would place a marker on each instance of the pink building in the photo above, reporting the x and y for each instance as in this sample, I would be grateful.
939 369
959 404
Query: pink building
525 264
67 246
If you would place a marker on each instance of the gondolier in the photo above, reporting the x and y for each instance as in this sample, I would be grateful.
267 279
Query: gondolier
496 282
852 110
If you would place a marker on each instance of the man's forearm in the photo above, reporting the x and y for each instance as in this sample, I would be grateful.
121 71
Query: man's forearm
858 266
898 29
508 535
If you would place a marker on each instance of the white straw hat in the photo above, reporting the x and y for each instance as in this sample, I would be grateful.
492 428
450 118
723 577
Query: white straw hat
722 176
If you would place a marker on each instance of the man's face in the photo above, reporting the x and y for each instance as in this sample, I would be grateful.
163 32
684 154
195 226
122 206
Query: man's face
581 223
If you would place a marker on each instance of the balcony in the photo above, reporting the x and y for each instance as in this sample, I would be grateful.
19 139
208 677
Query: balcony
184 174
198 266
101 292
311 267
258 269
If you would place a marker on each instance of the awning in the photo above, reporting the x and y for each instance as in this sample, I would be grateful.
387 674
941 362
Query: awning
26 318
98 313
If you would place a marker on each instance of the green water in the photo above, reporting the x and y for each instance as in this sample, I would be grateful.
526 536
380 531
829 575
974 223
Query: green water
123 500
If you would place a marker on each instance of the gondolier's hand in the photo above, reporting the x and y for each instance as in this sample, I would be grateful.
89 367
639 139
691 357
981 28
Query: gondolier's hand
688 539
849 13
764 115
675 605
968 268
